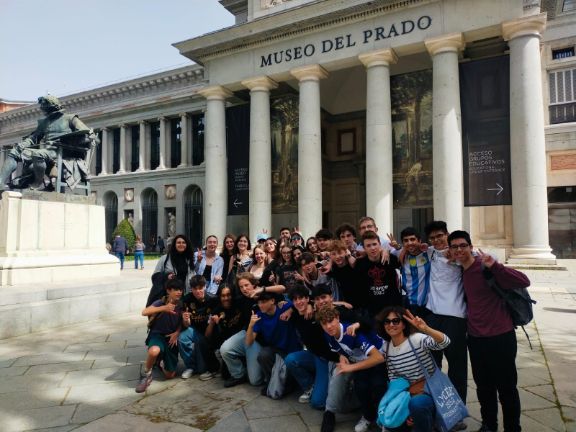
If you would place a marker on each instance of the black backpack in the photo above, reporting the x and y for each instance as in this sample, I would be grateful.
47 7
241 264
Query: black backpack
517 301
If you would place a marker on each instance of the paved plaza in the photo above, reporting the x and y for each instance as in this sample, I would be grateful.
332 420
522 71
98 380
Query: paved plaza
82 377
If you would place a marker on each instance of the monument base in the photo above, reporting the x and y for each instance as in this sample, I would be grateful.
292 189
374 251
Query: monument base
50 238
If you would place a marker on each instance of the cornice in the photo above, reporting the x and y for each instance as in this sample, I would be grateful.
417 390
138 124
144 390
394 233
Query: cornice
262 31
157 88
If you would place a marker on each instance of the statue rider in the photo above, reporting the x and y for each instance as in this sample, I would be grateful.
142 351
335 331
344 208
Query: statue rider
55 124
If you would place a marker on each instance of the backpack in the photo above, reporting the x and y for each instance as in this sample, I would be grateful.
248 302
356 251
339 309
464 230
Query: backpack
517 301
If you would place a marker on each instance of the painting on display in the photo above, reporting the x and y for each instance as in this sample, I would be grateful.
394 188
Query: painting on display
284 137
412 139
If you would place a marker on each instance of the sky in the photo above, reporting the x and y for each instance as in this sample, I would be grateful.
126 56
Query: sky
64 47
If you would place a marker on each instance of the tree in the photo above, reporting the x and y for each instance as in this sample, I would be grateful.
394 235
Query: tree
126 230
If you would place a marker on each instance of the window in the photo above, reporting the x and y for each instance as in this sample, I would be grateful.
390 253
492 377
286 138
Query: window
558 54
135 145
175 139
154 145
197 139
562 87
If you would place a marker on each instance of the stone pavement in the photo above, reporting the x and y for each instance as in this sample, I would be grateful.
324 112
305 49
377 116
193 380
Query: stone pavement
82 377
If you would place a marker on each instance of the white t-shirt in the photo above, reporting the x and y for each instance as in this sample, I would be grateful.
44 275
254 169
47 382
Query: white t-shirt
446 295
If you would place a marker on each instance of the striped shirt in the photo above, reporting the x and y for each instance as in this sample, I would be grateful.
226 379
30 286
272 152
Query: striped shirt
401 361
416 278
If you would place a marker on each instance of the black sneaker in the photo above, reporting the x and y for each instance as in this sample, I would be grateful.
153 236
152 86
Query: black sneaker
231 382
328 422
485 428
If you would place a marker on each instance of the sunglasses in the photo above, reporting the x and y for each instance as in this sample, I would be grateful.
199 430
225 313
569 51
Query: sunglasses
393 321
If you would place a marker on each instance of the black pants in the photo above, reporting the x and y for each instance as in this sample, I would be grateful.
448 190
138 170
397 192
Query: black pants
493 361
370 386
456 353
267 358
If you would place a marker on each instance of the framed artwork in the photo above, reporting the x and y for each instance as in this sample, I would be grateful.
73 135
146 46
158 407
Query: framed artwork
170 192
129 194
346 141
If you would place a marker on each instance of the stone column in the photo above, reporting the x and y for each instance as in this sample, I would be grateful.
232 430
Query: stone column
163 127
105 136
216 188
527 144
184 140
379 181
122 165
260 201
142 147
309 149
447 172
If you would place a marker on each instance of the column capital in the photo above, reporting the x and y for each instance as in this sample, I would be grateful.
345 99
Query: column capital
184 114
309 73
261 83
143 122
531 25
215 93
452 42
383 57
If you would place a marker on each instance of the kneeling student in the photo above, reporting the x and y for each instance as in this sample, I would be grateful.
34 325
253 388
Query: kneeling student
165 323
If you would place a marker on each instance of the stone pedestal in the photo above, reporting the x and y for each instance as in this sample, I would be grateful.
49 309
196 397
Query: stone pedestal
50 237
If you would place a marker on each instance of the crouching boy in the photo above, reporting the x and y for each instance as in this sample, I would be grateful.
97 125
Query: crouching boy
164 323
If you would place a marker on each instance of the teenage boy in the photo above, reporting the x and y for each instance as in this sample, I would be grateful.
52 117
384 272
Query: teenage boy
447 305
309 367
347 234
359 354
276 336
164 323
491 334
195 349
284 236
313 275
378 279
324 238
415 272
342 271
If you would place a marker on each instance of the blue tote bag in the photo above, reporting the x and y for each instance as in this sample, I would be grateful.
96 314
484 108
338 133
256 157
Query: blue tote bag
450 409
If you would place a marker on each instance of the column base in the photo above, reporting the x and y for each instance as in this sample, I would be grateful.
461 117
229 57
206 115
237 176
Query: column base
160 168
102 174
529 256
121 172
182 166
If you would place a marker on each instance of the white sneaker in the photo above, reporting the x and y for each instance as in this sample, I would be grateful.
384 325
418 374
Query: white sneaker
187 373
362 426
206 376
305 397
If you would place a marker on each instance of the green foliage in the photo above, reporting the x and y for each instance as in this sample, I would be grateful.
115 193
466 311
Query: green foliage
127 231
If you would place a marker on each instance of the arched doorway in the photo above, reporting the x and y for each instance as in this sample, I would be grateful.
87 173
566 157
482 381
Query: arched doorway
149 217
193 215
110 213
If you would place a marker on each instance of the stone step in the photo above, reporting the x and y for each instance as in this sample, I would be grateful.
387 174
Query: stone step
28 309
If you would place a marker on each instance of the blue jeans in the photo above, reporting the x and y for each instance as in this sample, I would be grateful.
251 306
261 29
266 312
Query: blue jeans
340 396
310 370
196 352
422 411
138 258
120 256
233 350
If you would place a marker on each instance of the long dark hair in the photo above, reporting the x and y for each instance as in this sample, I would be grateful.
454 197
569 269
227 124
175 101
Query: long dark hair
181 261
235 251
399 311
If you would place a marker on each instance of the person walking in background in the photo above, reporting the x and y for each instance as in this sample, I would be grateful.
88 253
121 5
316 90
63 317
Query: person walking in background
139 247
120 248
161 245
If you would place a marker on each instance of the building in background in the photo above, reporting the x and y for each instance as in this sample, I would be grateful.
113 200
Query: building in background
313 113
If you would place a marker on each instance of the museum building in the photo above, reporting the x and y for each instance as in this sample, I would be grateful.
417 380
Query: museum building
311 113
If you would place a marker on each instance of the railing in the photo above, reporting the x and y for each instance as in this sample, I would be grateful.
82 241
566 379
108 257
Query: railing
563 113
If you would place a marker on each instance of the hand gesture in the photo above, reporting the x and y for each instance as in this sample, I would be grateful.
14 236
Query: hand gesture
393 241
343 366
487 259
256 292
286 315
215 319
217 279
417 322
254 319
351 330
171 276
169 307
385 258
199 254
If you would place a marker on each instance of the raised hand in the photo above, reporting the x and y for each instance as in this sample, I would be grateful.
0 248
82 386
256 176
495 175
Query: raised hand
199 255
487 259
254 319
393 241
416 321
169 307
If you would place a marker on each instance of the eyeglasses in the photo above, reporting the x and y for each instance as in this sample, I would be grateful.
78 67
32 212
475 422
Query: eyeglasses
393 321
459 246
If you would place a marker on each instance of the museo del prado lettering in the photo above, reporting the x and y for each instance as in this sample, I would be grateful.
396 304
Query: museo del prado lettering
345 41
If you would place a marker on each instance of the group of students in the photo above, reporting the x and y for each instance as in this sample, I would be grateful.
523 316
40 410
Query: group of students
343 318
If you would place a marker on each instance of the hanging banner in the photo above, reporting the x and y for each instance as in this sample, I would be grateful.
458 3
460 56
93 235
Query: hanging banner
485 102
238 151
